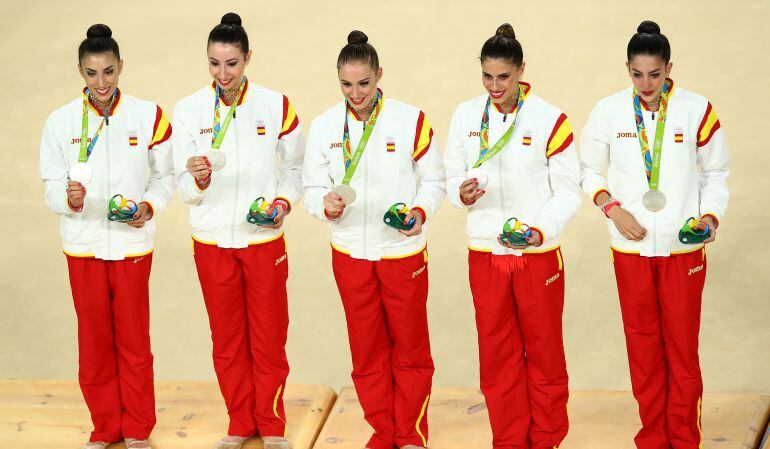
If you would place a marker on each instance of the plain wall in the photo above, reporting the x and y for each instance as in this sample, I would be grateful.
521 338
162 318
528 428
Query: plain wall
575 55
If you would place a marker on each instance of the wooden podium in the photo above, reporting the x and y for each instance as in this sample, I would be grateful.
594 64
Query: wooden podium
52 414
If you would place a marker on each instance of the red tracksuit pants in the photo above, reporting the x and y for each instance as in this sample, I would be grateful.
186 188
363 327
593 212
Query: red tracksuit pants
660 300
385 309
245 294
112 302
521 352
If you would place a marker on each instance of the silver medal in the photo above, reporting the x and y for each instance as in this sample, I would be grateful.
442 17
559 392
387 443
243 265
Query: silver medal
347 193
81 172
654 200
217 159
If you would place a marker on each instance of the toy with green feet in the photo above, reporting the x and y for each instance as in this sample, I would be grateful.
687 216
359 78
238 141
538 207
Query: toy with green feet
258 214
515 232
396 215
690 234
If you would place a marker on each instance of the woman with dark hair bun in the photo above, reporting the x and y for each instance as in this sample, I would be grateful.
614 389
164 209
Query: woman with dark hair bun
373 171
511 162
105 159
662 207
238 160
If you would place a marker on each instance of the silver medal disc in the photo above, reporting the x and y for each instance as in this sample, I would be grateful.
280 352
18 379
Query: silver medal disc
81 172
480 175
654 200
347 193
217 159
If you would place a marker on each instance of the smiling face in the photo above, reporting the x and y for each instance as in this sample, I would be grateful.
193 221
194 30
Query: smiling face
501 78
648 73
101 71
358 83
227 62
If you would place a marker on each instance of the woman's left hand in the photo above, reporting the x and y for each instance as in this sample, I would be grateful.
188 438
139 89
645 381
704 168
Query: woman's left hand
143 213
280 214
417 228
703 222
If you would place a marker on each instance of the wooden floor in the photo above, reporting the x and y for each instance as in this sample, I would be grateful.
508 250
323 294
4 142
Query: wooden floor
598 420
52 414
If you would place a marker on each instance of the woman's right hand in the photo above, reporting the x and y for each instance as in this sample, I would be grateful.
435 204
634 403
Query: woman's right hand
199 167
626 224
76 194
334 205
470 192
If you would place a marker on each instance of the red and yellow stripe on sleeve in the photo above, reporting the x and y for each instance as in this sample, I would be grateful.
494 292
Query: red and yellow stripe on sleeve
423 136
290 118
561 137
708 126
161 130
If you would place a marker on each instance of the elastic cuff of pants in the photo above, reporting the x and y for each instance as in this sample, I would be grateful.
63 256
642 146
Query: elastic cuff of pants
272 431
377 443
105 437
415 441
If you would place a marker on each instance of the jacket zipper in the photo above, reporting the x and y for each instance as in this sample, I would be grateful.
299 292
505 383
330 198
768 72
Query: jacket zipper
109 226
366 195
237 172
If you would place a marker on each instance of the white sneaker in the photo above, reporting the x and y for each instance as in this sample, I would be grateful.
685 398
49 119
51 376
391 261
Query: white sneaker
133 443
276 443
231 442
96 445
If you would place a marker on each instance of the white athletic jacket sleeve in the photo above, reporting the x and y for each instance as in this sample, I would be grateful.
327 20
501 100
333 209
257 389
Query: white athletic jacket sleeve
714 162
594 152
454 161
161 185
291 149
315 176
184 149
564 176
53 170
430 170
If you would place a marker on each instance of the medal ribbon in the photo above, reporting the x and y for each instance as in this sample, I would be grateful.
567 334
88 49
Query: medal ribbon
85 147
485 153
351 163
652 161
218 131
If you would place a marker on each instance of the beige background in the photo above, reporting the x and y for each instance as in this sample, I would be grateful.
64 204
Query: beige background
575 54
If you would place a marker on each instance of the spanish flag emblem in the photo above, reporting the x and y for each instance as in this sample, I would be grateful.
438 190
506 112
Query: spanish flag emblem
678 136
561 137
708 126
390 145
526 140
261 128
132 139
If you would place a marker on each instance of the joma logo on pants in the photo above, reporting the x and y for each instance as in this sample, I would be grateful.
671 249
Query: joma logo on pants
694 270
280 259
551 279
417 273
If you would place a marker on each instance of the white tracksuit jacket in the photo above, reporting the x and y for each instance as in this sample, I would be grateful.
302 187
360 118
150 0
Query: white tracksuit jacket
535 177
693 174
264 147
401 164
132 157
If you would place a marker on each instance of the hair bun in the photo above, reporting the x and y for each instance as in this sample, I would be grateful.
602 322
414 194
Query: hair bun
357 37
98 31
648 27
231 18
505 30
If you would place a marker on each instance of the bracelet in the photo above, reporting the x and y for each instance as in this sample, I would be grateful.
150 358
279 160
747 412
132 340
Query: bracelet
281 202
606 207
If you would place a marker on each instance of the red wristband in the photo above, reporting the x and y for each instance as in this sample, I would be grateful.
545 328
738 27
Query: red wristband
606 207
